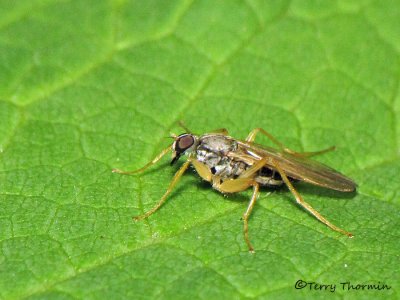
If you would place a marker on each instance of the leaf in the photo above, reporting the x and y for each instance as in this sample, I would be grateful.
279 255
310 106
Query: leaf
88 86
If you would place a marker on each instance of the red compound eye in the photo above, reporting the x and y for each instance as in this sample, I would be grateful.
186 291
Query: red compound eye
181 144
184 142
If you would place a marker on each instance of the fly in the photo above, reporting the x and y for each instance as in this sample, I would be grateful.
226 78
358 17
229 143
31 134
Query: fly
233 165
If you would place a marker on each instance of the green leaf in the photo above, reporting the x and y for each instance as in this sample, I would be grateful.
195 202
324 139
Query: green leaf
88 86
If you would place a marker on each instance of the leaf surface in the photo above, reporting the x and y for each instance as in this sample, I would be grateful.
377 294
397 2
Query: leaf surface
88 86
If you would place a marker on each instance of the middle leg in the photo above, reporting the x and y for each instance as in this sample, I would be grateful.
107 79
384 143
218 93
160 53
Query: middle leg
237 185
246 216
245 180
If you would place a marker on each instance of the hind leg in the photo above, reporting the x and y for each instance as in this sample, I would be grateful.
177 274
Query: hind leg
307 206
252 136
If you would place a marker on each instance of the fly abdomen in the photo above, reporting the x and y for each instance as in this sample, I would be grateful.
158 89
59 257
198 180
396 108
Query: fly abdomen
270 177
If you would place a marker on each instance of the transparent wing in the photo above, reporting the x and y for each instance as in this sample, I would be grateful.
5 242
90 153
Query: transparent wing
302 168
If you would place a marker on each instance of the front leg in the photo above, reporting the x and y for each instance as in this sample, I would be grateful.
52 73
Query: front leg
222 131
202 169
174 181
149 164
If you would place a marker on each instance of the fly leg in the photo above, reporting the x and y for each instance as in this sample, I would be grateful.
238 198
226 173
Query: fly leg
305 205
202 169
252 136
174 181
233 186
313 153
150 163
244 181
223 131
240 184
246 216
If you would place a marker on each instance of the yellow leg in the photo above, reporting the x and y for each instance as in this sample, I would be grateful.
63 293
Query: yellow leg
244 181
313 153
174 181
223 131
307 206
240 184
254 168
246 216
152 162
202 169
231 185
237 185
252 136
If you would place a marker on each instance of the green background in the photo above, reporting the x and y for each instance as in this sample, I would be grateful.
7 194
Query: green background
87 86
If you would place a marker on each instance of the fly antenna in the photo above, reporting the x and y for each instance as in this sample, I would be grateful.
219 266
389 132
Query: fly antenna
183 125
171 136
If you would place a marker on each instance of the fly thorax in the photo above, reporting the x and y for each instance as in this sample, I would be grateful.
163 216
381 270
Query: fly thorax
214 148
213 151
208 158
218 144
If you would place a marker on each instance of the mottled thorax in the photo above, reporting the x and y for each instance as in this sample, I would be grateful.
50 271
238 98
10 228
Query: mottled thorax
213 151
